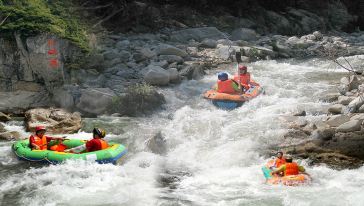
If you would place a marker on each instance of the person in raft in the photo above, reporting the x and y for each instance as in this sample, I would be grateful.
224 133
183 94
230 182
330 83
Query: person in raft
95 144
226 85
244 78
39 141
289 168
280 160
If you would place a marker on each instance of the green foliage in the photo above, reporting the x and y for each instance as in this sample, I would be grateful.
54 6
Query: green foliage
32 17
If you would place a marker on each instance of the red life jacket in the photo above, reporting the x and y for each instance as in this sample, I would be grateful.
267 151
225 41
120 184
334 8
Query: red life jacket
244 79
280 162
41 142
291 169
226 86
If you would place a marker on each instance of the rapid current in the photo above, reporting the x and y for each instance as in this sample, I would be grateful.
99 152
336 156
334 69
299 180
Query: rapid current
212 156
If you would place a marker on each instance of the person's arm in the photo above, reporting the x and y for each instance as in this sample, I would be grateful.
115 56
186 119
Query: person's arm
280 169
301 169
32 143
235 86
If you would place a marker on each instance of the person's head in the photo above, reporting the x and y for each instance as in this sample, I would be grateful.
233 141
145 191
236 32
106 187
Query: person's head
40 131
222 76
243 69
288 158
280 154
98 133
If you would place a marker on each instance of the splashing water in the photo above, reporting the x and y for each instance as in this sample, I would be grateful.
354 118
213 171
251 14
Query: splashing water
213 157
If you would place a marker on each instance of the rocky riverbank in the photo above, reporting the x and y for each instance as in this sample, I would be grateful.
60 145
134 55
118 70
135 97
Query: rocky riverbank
338 139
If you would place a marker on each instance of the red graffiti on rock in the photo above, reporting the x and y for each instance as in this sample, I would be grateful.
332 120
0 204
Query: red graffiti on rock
52 54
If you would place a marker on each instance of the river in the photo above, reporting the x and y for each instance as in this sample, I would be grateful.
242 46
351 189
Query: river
213 157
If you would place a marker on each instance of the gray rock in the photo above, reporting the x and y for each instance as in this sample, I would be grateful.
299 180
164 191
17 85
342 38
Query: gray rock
197 34
174 75
344 100
323 133
63 98
318 35
337 120
361 109
95 101
244 34
300 113
192 51
14 135
335 109
2 128
143 54
332 97
357 117
165 49
4 117
156 76
208 43
171 58
355 104
123 44
22 100
157 144
111 54
124 56
164 64
351 126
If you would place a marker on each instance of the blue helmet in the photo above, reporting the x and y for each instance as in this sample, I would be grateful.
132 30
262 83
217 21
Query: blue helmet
222 76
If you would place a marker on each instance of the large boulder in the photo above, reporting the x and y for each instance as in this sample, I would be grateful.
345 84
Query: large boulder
197 34
244 34
355 104
174 75
344 100
14 135
55 120
208 43
337 120
20 101
171 58
156 75
351 126
165 49
96 100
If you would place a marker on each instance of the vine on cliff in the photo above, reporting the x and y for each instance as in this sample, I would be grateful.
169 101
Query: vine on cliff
32 17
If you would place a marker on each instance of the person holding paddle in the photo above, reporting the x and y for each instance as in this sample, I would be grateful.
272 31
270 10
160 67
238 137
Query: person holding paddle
39 141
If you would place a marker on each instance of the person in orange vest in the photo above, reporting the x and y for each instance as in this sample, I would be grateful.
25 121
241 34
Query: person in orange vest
244 78
39 141
226 85
289 168
97 143
280 160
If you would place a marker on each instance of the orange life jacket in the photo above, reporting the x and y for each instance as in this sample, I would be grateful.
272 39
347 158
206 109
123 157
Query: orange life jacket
291 169
244 79
58 147
104 144
41 142
226 86
279 162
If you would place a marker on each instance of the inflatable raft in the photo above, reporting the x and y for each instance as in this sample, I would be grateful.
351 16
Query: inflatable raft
112 154
291 180
232 101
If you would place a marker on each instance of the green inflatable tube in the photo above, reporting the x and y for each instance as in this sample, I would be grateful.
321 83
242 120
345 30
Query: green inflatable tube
112 154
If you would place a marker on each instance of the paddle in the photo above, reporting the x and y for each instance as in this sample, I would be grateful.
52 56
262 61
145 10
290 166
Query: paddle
238 59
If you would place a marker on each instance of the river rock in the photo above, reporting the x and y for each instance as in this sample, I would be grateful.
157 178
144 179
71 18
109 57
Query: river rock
95 101
351 126
55 120
165 49
361 109
318 35
300 113
143 54
19 101
157 144
335 109
174 75
4 117
337 120
323 133
156 76
208 43
244 34
14 135
171 58
355 104
197 34
344 100
331 97
2 128
357 117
